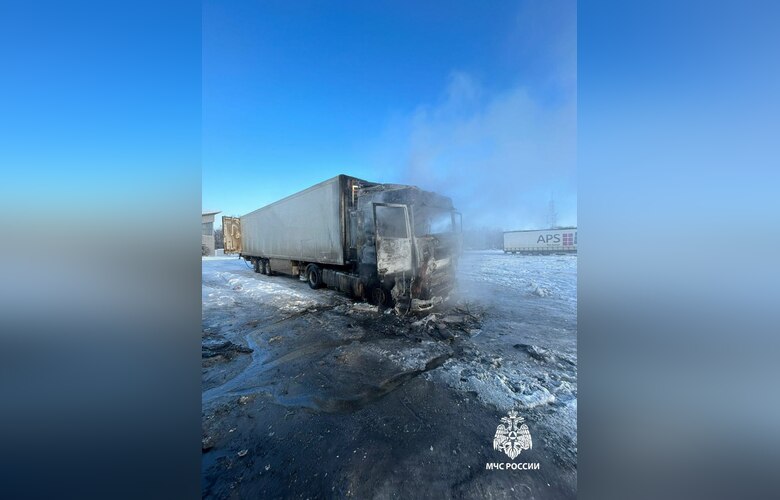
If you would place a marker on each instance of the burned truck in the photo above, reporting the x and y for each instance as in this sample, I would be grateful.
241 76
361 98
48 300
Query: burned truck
391 244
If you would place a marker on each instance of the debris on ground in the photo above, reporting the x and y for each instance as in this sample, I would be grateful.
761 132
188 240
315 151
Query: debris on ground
536 352
215 349
207 443
364 307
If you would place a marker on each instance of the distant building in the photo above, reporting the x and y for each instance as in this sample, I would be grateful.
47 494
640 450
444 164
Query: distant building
207 233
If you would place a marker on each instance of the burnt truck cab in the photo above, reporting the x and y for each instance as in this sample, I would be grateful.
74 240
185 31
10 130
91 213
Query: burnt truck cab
409 244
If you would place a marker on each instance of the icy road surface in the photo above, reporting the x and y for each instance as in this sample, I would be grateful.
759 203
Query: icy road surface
306 393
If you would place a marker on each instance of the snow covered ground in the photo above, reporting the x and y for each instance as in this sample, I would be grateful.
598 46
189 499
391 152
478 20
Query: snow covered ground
542 275
228 281
506 340
527 355
492 278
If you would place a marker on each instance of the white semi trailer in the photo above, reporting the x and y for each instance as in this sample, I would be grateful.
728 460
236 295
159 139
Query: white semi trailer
543 241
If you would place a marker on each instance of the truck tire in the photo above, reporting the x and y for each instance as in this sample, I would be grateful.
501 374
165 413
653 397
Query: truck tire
267 267
379 296
258 265
314 277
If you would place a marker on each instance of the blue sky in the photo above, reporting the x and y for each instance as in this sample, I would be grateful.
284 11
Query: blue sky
476 101
99 98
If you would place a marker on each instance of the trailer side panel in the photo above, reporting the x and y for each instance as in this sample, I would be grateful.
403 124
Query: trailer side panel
306 226
541 241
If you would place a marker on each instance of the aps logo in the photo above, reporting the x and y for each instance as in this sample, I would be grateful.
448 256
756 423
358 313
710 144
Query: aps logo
512 435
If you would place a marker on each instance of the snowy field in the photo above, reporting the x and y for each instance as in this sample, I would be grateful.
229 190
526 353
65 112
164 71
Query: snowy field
541 275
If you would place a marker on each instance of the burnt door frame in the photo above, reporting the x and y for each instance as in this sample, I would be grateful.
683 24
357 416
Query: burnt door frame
379 238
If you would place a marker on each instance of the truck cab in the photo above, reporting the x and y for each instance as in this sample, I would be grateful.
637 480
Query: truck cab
410 252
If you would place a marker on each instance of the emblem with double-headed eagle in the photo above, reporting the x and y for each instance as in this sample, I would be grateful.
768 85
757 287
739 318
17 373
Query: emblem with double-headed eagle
512 438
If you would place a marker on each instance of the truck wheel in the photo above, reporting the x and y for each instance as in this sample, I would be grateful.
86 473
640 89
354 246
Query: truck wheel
257 265
378 296
315 277
267 267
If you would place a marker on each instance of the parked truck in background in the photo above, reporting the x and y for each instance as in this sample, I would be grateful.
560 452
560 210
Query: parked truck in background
391 244
544 241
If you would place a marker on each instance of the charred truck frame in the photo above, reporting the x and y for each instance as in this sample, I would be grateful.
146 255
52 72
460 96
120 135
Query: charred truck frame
388 243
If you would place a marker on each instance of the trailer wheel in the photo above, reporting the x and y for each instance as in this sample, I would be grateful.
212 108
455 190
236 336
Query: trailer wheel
267 267
315 277
257 265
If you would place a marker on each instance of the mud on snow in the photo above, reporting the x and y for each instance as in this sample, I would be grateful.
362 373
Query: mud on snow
309 394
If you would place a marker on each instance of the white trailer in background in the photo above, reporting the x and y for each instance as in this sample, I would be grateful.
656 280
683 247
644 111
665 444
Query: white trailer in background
542 241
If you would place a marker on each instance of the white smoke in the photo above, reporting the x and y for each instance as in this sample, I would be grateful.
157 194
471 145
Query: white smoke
499 156
500 153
